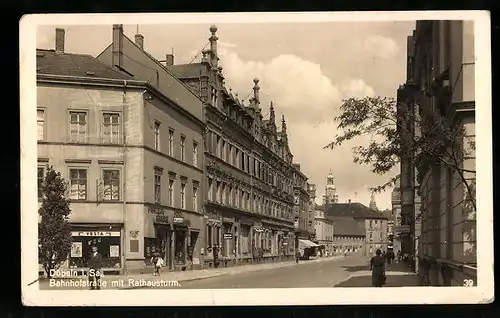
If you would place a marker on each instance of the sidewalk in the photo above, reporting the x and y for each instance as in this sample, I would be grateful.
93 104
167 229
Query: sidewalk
398 275
172 278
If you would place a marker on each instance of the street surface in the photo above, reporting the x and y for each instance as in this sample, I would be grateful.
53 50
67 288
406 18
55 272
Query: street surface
338 271
310 274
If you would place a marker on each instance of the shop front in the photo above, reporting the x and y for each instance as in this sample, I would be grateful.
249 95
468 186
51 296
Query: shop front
107 238
158 236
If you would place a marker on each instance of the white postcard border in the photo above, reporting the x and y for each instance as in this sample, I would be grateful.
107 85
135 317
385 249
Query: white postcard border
32 296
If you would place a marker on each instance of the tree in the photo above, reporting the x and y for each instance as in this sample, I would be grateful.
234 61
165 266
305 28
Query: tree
439 139
54 234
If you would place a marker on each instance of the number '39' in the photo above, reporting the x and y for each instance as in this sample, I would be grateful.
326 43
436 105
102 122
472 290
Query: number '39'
468 282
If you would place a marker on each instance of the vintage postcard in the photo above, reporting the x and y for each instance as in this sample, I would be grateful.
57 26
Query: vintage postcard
256 159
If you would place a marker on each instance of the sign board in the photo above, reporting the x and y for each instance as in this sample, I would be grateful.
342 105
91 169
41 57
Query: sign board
401 229
179 220
95 233
76 249
161 218
196 261
114 251
285 243
228 236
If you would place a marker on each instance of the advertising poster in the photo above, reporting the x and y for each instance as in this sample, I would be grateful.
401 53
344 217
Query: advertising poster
76 249
114 251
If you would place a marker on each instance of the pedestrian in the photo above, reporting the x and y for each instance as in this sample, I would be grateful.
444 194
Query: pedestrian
154 260
297 256
158 263
95 266
398 258
345 253
216 256
377 266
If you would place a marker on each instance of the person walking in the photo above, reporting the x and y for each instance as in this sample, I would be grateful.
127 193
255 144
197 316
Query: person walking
377 266
297 256
158 262
95 266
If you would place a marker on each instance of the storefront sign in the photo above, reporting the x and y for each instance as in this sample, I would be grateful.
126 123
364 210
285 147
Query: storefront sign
196 261
227 220
285 243
161 218
95 233
114 251
228 236
156 210
178 220
76 249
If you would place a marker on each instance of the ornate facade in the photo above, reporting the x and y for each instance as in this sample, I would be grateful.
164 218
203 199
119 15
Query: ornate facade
249 175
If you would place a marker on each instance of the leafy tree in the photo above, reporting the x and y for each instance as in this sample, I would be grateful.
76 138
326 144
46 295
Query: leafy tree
54 234
437 141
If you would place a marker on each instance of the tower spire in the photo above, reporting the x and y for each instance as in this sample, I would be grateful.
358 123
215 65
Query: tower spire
272 118
283 125
213 46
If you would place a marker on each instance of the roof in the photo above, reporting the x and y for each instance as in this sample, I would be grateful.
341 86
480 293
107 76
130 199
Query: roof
347 226
355 210
186 70
69 64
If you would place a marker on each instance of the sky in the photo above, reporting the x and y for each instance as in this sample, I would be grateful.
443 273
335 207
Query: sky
306 69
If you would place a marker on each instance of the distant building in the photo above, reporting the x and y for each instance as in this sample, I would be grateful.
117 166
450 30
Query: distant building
330 195
311 189
348 236
373 222
324 228
396 216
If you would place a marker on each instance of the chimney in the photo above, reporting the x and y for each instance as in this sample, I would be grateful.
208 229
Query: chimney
59 40
117 45
169 58
139 40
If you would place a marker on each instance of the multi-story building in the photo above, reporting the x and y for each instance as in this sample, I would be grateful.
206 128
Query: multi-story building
349 236
324 229
130 151
373 222
311 190
301 211
440 80
330 195
249 201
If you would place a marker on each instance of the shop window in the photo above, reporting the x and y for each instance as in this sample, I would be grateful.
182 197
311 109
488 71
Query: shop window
111 185
108 246
78 181
209 236
192 244
180 238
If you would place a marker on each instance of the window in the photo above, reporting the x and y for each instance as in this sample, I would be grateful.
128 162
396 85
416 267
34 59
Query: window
223 151
183 195
183 148
40 124
157 184
78 126
210 190
40 176
195 198
111 128
111 185
78 181
157 136
171 142
171 192
195 154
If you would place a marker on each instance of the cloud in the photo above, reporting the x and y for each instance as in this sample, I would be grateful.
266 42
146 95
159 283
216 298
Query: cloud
297 87
226 44
380 46
309 100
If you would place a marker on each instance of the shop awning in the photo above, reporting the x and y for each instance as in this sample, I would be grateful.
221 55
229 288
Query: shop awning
307 243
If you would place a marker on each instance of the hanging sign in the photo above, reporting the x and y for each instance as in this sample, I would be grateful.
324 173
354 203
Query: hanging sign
228 236
161 218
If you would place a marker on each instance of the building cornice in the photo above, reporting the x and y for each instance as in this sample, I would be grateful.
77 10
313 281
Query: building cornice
92 81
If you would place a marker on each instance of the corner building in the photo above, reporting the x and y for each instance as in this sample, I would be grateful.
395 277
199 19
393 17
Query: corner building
131 155
249 175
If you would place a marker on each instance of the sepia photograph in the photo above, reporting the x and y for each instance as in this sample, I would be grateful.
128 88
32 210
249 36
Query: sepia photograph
256 159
